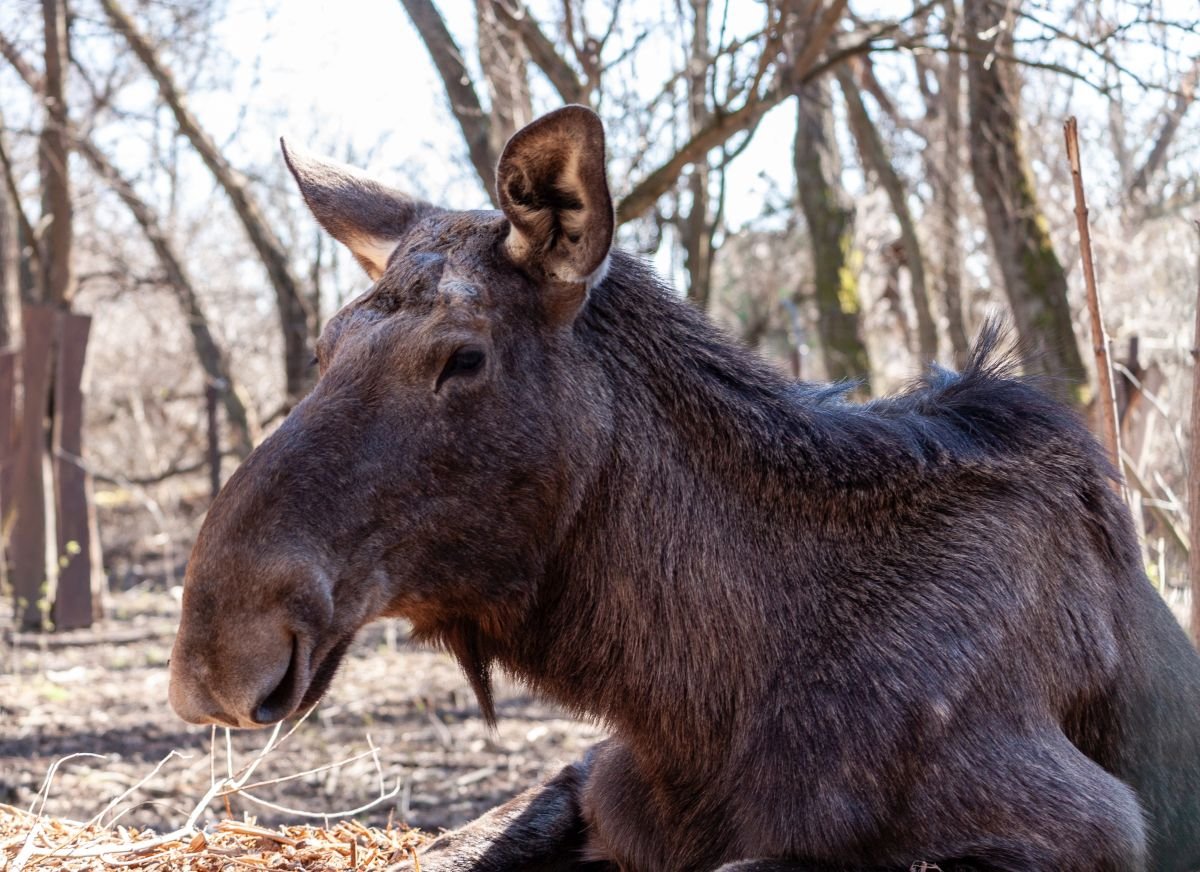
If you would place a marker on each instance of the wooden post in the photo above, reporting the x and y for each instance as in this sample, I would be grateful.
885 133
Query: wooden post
29 527
1106 400
73 606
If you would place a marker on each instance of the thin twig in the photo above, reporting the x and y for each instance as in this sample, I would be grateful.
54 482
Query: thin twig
1153 505
325 815
1107 398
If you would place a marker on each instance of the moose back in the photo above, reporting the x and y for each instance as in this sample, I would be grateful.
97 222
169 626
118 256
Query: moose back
824 636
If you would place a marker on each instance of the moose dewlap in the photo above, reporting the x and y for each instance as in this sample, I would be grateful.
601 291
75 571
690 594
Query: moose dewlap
859 637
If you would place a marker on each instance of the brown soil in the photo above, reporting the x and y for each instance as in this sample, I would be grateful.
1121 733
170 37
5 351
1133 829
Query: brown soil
103 692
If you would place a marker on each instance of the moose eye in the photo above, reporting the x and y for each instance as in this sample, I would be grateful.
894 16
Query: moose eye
462 362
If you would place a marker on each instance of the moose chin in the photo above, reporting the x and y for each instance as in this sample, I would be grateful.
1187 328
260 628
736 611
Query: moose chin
823 635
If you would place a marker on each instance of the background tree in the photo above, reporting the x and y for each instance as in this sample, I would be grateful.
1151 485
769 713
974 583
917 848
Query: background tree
1033 276
830 219
297 318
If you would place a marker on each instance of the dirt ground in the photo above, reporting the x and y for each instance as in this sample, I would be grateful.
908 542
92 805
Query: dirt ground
104 692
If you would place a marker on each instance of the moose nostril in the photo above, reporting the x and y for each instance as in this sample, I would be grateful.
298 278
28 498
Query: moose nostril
277 704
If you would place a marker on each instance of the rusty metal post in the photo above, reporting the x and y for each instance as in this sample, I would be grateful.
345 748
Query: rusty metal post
73 606
29 527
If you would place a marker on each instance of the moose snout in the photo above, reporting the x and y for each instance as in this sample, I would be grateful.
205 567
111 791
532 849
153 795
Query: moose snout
251 679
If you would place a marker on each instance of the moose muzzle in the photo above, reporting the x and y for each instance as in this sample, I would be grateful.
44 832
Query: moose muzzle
241 663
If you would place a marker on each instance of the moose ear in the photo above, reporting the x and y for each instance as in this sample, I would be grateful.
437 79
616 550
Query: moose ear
550 183
365 216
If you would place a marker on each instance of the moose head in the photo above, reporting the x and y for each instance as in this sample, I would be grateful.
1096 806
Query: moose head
444 450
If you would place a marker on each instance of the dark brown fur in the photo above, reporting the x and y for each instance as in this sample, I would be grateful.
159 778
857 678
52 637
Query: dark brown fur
825 636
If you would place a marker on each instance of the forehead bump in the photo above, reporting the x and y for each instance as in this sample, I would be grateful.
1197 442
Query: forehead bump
455 288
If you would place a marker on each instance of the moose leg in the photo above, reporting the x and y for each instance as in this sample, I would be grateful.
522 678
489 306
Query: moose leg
541 831
1031 804
1025 804
773 866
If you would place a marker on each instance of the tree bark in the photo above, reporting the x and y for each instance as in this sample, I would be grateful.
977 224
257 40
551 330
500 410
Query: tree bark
945 185
9 271
58 279
464 101
1033 277
297 320
505 64
879 162
697 224
543 53
830 220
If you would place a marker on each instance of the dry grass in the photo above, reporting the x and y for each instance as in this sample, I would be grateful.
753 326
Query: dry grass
29 841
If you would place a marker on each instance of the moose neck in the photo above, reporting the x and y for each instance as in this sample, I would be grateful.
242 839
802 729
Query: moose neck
651 614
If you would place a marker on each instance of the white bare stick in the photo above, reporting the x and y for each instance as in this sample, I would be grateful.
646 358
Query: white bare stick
28 849
44 792
325 815
292 777
212 754
98 819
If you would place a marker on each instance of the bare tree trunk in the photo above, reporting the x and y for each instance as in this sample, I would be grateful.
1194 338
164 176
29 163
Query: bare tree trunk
9 269
464 101
1033 277
879 162
830 220
505 64
697 224
9 273
297 320
543 52
58 280
946 182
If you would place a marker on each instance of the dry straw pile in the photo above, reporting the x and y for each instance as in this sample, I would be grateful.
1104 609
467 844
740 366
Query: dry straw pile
30 839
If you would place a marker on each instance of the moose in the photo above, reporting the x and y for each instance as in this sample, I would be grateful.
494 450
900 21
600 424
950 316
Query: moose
824 635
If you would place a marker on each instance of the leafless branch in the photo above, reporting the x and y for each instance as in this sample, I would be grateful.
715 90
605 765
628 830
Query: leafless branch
456 78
